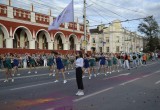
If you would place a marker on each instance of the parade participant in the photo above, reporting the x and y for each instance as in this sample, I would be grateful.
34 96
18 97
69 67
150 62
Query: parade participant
109 64
44 60
60 67
134 60
144 59
92 62
8 67
71 58
139 59
102 63
1 59
126 62
24 60
51 64
86 65
115 63
79 65
119 60
66 62
15 65
32 63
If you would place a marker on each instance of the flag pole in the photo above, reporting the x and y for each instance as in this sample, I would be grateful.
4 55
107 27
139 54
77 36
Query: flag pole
73 27
84 21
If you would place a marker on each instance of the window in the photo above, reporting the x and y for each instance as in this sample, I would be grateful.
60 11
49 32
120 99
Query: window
93 40
107 40
19 13
117 38
29 15
44 19
5 11
36 17
47 19
107 49
40 18
24 14
117 48
15 12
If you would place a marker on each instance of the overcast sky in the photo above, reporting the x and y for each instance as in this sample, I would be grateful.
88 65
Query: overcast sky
100 11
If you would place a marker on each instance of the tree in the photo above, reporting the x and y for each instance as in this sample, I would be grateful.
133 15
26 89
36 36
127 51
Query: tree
149 27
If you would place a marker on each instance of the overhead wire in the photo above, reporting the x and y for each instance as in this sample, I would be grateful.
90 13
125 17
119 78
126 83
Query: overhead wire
108 9
122 7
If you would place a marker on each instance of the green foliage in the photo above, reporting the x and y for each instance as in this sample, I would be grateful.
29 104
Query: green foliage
149 27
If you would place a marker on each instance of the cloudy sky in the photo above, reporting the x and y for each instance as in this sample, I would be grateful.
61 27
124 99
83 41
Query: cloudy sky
99 11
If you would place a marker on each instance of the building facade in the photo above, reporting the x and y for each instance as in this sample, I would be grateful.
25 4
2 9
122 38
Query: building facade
115 39
26 29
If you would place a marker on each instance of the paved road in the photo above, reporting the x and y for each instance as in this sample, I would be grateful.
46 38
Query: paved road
135 89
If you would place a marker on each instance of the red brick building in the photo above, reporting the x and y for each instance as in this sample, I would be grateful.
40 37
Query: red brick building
25 29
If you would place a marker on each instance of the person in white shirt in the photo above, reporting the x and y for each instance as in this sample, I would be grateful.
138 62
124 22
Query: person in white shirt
45 60
79 65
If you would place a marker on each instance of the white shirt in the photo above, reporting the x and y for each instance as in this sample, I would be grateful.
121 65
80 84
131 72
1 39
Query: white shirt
79 62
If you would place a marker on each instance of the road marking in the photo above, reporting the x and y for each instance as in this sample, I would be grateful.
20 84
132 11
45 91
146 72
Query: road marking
125 74
158 82
122 84
30 76
24 87
93 94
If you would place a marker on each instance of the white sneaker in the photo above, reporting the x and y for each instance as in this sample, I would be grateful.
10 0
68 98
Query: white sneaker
68 73
29 72
98 73
107 72
50 74
81 93
53 74
6 80
95 75
65 81
89 77
78 92
118 71
83 76
35 72
56 81
12 80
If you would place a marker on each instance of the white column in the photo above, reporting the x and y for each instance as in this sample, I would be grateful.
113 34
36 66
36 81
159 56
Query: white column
50 45
55 46
50 20
65 46
78 47
33 17
9 2
9 43
9 12
32 44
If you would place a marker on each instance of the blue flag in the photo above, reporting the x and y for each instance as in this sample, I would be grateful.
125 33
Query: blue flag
67 15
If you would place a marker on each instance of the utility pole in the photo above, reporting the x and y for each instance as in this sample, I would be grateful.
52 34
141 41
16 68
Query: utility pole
84 21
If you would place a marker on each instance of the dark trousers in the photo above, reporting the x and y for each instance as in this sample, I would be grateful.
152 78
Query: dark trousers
144 62
79 78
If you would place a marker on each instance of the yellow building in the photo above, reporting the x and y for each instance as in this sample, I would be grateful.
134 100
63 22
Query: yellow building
115 39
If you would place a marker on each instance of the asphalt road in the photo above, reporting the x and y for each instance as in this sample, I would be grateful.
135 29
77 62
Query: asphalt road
135 89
